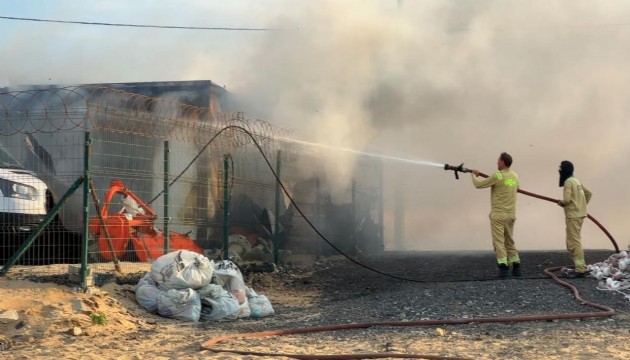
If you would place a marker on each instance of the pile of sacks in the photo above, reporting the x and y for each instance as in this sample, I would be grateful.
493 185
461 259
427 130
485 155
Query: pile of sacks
185 285
614 273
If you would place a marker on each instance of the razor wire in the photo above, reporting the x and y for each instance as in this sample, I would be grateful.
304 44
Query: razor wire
135 122
98 108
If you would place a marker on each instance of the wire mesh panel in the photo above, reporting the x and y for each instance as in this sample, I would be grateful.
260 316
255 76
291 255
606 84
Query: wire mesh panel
164 175
37 133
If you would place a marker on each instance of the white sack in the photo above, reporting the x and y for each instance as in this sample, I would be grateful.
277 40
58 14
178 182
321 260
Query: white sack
181 270
230 277
147 293
259 305
224 306
180 304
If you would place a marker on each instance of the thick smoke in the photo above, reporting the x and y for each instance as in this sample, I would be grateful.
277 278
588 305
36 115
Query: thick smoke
459 82
442 81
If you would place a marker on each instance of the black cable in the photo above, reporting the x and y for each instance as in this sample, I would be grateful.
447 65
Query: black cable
453 30
190 163
137 25
262 152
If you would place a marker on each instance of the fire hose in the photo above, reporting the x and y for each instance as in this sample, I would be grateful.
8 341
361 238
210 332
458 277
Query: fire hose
211 344
462 169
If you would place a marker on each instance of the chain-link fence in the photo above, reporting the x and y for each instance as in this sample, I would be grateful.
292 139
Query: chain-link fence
98 175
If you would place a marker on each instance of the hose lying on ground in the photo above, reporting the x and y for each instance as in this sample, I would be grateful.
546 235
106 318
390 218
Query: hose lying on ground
211 344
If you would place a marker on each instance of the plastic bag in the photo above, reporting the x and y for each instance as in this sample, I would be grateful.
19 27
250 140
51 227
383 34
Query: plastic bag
230 277
259 305
147 293
181 270
180 304
222 307
212 290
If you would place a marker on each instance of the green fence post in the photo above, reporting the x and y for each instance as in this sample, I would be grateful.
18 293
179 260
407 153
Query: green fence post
86 211
276 230
317 216
399 217
167 219
47 219
226 206
381 210
353 209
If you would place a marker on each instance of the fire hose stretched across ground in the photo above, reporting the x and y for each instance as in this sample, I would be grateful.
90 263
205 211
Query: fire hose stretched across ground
211 344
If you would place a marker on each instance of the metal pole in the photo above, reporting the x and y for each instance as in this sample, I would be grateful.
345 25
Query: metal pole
353 215
226 206
97 207
381 212
399 217
276 230
318 214
354 201
167 218
47 219
86 214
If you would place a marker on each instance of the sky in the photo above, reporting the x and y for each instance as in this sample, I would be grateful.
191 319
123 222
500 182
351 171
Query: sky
441 81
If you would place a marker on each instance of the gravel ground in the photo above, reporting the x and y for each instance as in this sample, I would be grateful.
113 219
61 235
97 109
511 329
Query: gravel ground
449 286
337 291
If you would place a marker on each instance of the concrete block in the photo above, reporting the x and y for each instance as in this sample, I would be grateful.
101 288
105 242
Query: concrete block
74 275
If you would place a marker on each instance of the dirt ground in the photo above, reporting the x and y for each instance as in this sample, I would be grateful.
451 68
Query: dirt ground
54 321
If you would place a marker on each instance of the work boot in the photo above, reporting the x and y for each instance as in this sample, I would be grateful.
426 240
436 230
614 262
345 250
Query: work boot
516 270
574 275
504 271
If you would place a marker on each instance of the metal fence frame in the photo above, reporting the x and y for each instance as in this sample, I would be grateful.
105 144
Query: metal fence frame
103 114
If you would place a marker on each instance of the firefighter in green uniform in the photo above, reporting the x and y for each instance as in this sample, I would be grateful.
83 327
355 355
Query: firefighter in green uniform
503 189
576 197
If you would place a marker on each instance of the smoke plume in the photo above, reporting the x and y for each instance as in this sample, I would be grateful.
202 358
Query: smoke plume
441 81
458 82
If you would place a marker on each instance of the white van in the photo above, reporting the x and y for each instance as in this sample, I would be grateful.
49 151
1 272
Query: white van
22 196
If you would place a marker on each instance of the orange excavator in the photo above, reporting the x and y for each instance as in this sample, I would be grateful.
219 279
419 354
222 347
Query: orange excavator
135 223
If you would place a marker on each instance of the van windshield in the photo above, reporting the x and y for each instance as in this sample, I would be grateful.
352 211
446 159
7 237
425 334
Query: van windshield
7 161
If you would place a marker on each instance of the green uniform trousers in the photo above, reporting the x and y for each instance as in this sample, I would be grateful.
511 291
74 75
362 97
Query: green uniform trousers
574 243
502 227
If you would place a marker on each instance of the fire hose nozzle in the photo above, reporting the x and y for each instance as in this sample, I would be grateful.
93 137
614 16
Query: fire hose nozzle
457 169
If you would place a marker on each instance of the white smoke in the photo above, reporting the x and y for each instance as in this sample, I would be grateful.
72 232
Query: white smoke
459 81
443 81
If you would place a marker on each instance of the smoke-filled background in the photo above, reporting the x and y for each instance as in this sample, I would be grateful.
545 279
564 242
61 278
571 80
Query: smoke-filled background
440 81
